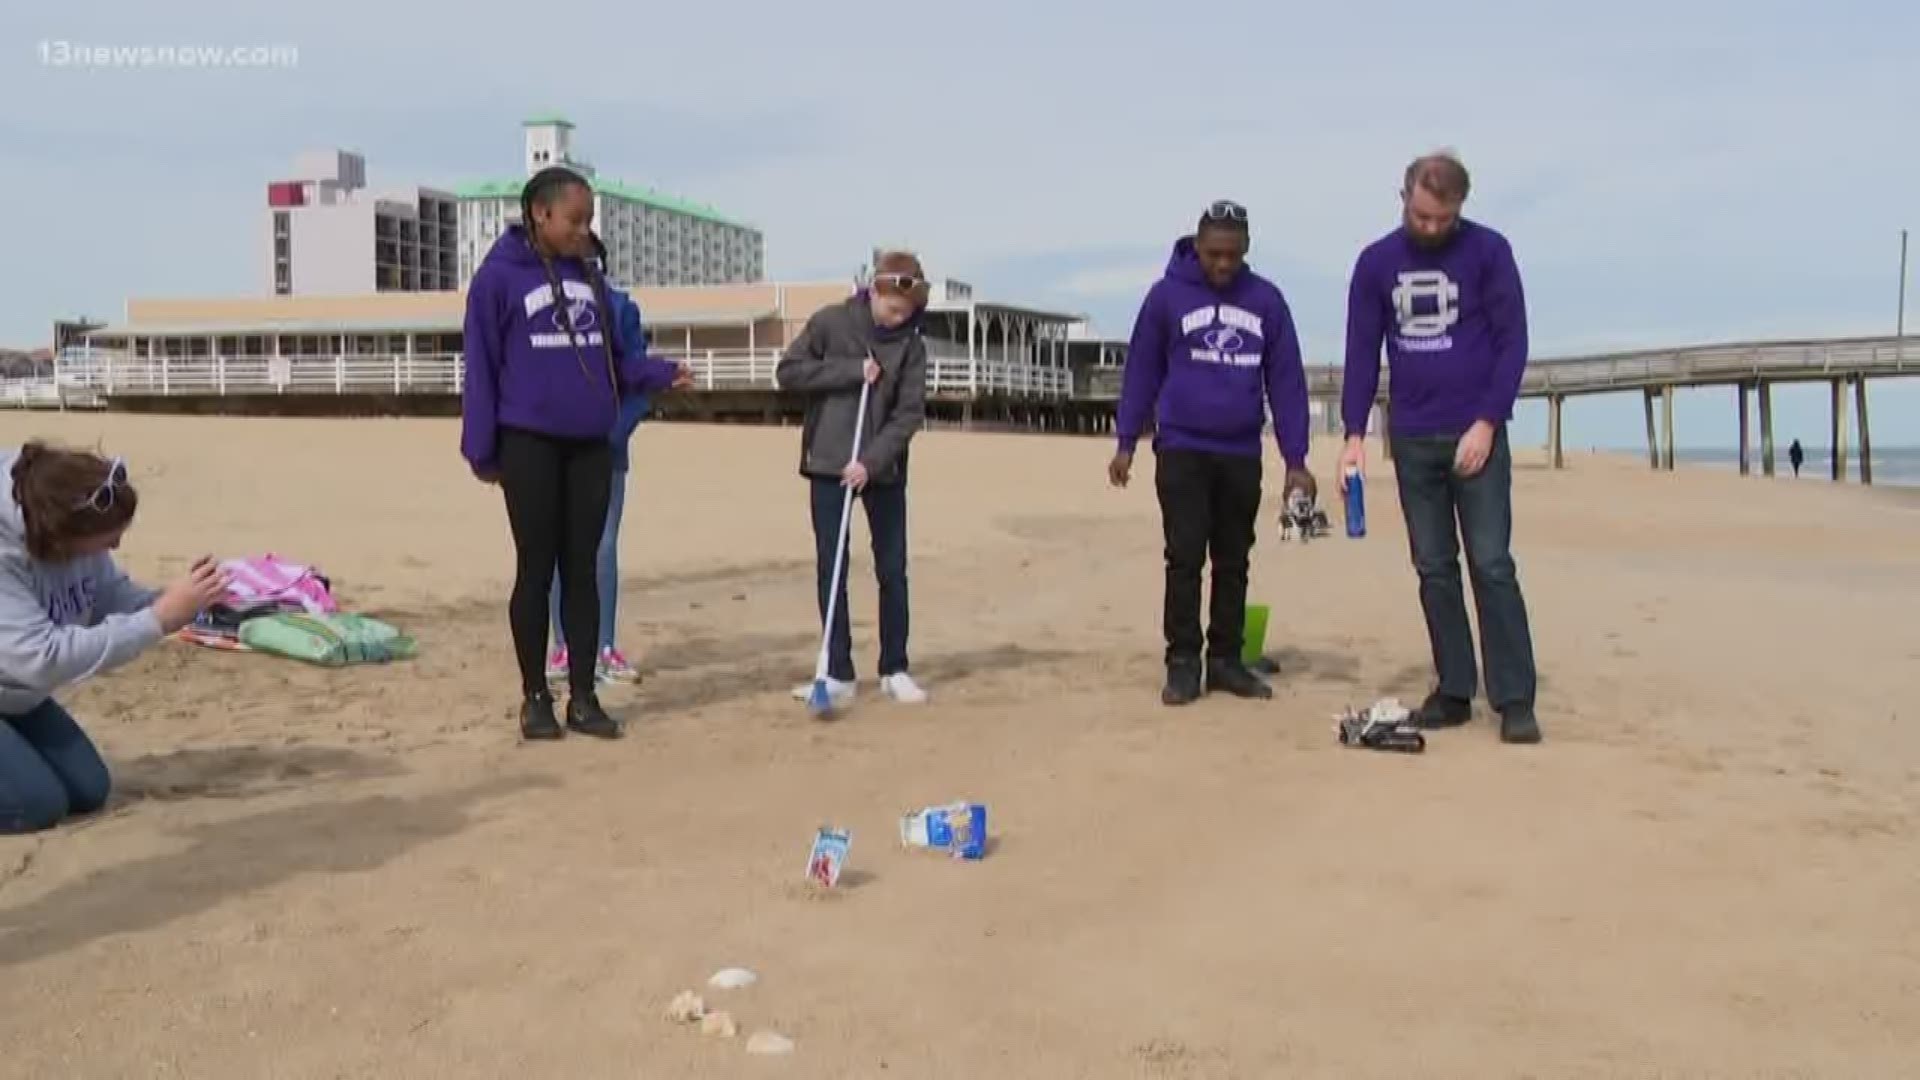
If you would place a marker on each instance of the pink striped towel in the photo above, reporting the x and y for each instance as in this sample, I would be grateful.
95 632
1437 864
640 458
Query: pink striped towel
268 578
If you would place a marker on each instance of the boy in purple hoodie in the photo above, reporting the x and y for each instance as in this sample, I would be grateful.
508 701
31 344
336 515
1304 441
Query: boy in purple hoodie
544 380
1444 293
1212 342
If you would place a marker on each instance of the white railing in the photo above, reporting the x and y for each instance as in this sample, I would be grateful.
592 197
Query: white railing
87 375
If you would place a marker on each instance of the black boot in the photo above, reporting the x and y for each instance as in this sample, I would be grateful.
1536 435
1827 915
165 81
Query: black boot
536 717
585 716
1229 676
1519 725
1442 711
1183 682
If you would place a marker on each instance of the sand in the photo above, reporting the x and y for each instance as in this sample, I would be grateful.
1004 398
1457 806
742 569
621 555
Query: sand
1707 869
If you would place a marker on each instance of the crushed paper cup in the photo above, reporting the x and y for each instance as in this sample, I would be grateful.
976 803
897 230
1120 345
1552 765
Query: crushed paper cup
733 979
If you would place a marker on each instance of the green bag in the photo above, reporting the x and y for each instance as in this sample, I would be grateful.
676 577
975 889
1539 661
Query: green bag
330 640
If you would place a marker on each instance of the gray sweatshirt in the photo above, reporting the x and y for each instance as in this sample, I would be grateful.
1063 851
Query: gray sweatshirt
825 363
61 622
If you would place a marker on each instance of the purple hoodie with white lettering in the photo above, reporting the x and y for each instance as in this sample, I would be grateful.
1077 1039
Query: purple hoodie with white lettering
522 368
1454 322
1203 360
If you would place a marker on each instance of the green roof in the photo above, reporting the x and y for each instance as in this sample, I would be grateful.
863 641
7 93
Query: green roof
510 189
546 118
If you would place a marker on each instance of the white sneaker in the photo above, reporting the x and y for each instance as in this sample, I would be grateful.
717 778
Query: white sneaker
840 693
901 688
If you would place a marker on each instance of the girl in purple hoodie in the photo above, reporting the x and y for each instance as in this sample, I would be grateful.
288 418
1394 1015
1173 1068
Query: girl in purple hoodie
544 381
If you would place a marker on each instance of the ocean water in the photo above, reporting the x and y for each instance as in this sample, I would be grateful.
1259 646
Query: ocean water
1894 466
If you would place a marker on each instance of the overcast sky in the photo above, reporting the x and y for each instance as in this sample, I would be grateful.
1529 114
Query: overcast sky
1681 171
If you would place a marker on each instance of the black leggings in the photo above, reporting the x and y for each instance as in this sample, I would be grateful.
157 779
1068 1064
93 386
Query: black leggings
557 492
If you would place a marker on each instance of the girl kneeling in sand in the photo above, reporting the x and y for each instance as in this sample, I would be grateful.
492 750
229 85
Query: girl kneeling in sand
66 613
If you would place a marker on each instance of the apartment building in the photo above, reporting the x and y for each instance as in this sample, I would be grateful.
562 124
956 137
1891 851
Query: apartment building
328 234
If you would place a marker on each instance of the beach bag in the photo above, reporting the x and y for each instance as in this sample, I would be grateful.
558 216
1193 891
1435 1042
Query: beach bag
218 627
333 639
270 579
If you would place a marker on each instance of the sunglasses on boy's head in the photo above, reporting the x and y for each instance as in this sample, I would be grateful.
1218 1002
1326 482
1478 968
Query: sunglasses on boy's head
905 283
101 500
1227 210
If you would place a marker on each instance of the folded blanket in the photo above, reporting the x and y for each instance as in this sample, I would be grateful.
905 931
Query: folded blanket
332 639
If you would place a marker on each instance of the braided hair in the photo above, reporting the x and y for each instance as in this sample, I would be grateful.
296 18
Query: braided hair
542 189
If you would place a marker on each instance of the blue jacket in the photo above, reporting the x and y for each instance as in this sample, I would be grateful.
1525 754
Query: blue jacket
629 340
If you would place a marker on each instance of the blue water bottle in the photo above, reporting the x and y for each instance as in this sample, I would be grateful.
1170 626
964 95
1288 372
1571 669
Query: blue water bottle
1356 504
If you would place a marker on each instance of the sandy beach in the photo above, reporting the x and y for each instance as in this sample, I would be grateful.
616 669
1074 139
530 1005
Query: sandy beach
1707 869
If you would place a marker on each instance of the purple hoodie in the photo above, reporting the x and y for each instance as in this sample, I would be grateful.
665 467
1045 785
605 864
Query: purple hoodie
1455 325
521 370
1200 359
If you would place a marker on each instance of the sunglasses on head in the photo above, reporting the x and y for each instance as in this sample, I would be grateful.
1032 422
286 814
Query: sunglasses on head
905 283
102 498
1227 210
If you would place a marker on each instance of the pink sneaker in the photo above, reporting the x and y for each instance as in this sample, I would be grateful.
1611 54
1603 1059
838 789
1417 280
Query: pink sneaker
613 667
557 664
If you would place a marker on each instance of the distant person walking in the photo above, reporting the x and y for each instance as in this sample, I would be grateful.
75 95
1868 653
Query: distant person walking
1214 342
1444 294
1797 456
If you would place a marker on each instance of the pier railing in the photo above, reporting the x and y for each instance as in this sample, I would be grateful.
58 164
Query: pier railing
86 377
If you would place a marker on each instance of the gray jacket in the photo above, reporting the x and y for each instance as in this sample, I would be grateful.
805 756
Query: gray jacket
825 363
61 622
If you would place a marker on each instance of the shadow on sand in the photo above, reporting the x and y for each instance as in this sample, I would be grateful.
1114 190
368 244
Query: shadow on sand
239 856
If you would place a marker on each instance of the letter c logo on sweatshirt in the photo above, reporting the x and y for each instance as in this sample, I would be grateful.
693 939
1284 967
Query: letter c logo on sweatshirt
1426 304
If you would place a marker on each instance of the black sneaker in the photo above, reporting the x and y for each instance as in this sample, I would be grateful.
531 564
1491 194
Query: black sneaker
1183 683
1232 677
585 716
1443 711
1519 725
536 718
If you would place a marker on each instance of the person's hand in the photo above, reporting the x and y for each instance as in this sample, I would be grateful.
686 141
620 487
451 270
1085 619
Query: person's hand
1470 454
870 371
854 476
486 476
1353 458
1120 469
682 375
186 598
1302 479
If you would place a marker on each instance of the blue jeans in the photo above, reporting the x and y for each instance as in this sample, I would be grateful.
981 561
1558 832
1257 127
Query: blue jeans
1434 497
606 570
48 770
886 506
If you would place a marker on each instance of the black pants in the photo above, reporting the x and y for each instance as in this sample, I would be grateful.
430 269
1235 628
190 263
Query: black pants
557 492
1208 506
1434 499
886 506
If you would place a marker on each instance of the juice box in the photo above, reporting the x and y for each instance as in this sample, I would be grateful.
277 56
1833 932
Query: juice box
958 828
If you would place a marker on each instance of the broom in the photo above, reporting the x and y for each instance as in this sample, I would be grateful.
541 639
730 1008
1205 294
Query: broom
820 701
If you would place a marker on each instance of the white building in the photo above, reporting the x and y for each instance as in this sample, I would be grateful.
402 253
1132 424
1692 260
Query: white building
651 238
328 234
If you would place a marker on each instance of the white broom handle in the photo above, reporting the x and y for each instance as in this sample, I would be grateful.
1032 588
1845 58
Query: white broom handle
840 549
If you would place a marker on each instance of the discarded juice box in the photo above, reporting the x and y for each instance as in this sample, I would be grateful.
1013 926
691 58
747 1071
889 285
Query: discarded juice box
959 828
829 856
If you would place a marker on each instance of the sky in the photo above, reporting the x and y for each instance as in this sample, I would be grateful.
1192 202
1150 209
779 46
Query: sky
1668 173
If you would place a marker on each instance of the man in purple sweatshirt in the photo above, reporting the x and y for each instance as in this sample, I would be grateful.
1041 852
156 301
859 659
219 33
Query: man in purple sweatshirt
1213 342
1444 294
